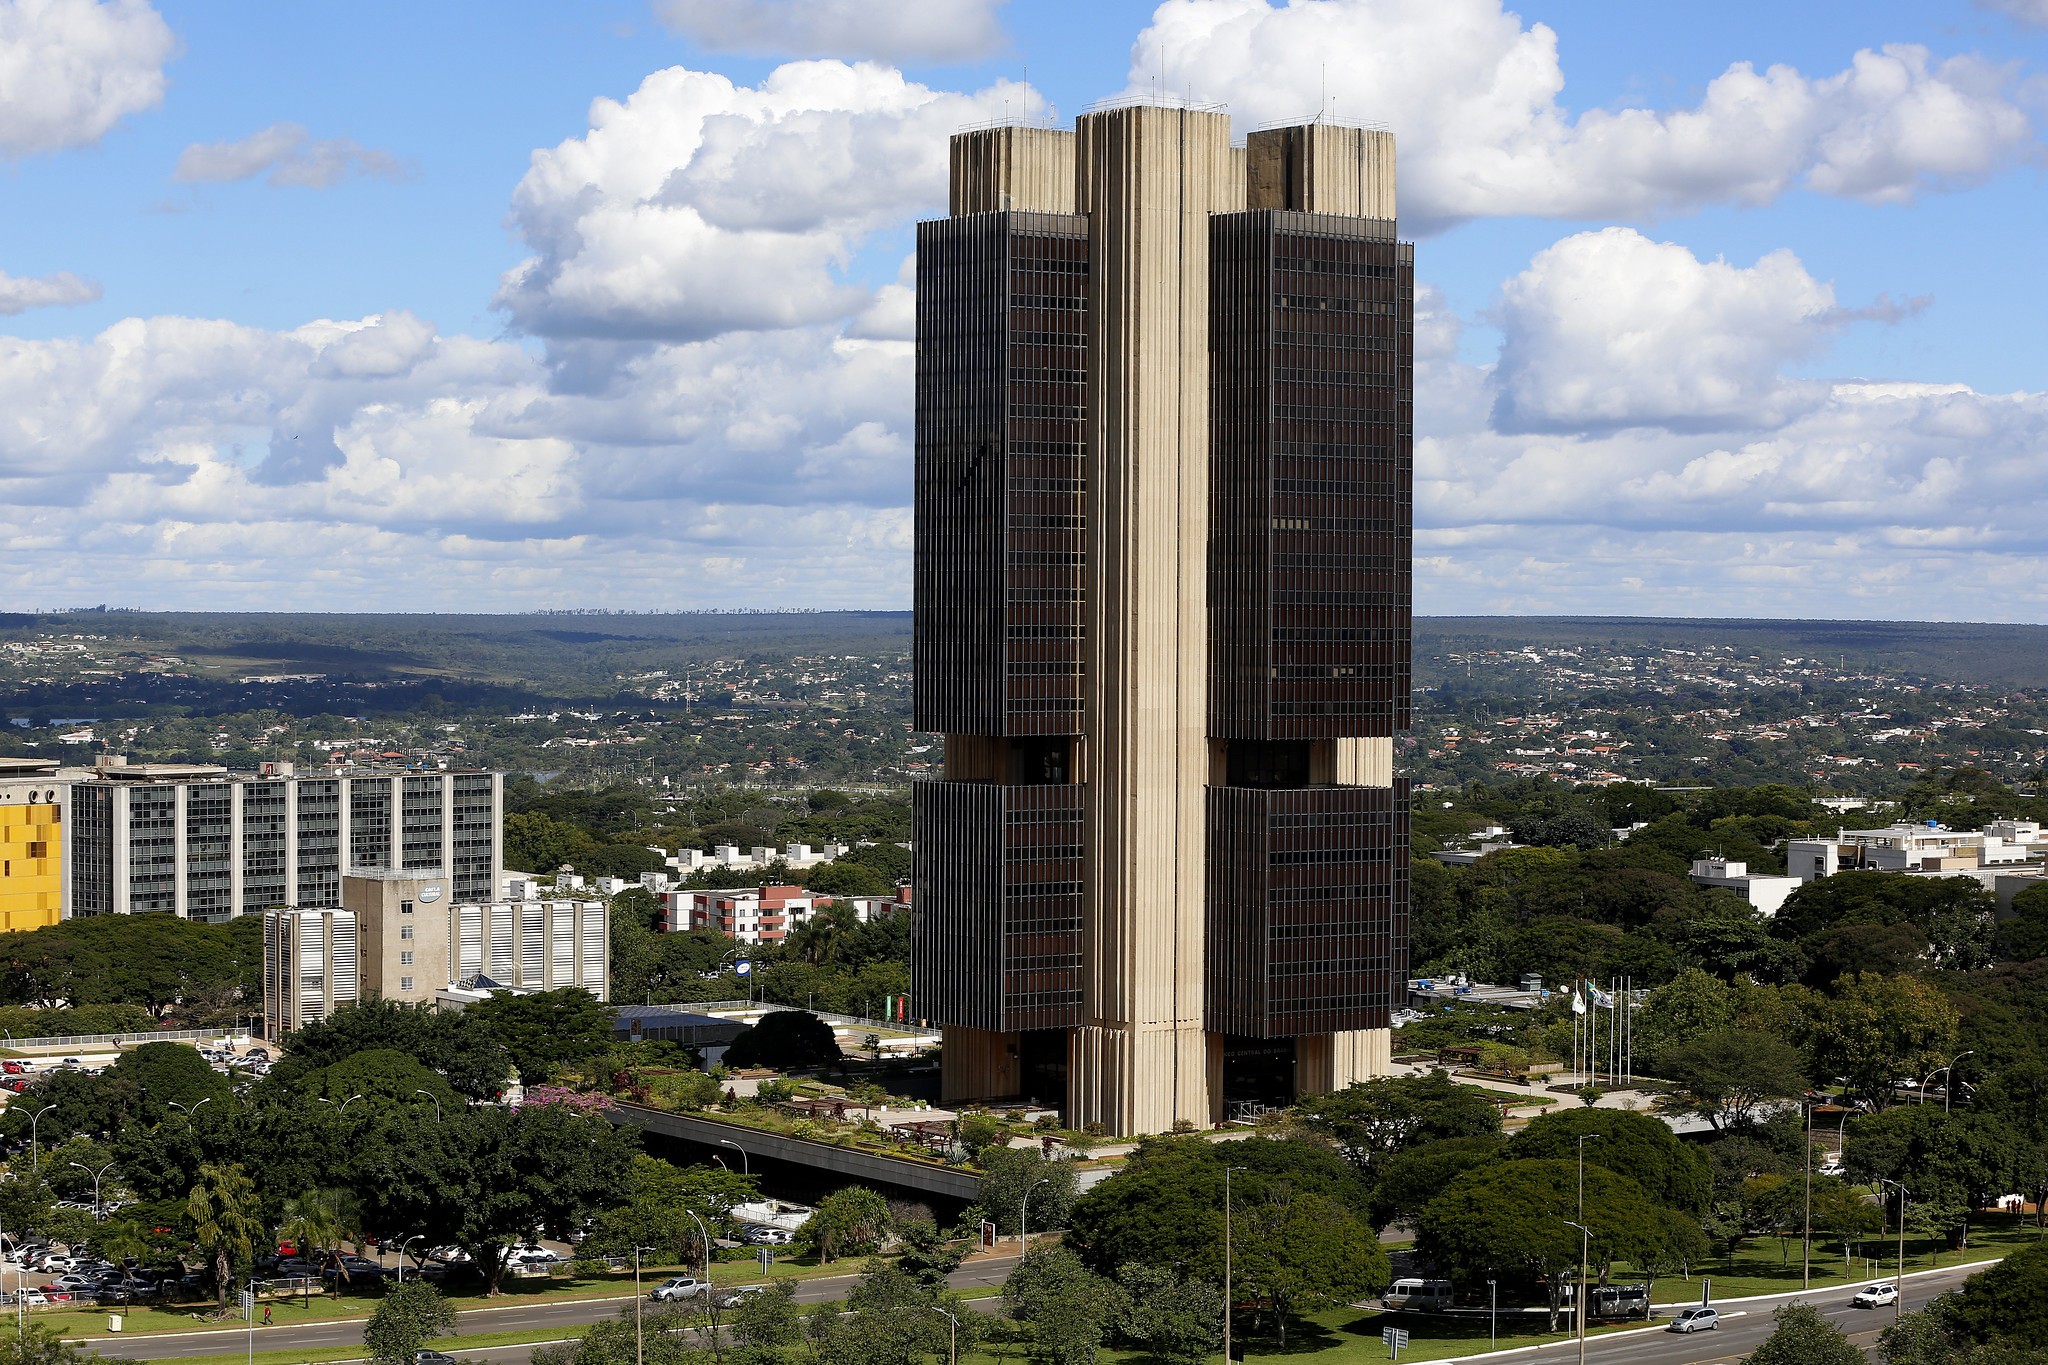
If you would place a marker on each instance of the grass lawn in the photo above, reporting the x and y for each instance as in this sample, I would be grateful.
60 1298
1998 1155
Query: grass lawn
472 1342
143 1321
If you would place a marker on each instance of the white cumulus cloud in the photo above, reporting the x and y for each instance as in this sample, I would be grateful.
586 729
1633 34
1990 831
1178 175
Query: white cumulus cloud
1611 329
71 69
889 30
285 154
698 206
19 294
1474 96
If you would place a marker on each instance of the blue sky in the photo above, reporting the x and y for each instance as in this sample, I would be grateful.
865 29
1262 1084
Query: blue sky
341 307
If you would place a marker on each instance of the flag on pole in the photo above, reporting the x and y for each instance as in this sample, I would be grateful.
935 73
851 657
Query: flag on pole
1600 997
1578 1003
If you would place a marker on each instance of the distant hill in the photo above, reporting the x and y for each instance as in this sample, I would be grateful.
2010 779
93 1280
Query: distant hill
1962 652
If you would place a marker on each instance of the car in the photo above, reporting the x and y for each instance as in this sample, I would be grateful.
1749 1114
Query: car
1695 1319
537 1256
34 1298
678 1288
434 1358
768 1237
449 1255
258 1054
733 1298
13 1068
1876 1295
73 1282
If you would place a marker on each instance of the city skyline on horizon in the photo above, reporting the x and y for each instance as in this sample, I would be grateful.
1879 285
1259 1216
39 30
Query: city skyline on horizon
1697 338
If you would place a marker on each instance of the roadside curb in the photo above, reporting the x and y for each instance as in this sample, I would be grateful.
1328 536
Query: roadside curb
1752 1298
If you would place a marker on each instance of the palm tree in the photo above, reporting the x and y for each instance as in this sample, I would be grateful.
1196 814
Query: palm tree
320 1219
822 940
226 1221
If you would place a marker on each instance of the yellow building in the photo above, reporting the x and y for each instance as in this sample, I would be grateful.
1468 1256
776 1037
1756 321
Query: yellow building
31 865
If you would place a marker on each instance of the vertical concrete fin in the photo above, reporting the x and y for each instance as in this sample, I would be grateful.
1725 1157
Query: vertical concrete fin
1321 168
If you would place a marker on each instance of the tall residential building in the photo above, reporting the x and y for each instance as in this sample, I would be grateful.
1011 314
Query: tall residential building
31 843
203 843
402 935
1163 469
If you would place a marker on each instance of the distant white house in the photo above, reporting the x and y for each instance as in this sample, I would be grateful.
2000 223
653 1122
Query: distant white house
1767 894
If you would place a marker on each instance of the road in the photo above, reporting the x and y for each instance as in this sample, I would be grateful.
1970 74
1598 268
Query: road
982 1272
1737 1336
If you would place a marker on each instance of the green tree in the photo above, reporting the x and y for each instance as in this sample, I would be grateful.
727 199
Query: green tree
2007 1302
405 1320
545 1030
1873 1030
1804 1337
661 1199
888 1320
166 1072
1170 1317
317 1221
227 1224
1508 1222
1067 1308
1304 1251
769 1320
1007 1173
1670 1170
849 1222
40 1345
2025 935
1409 1180
1371 1120
1727 1075
1689 1005
785 1040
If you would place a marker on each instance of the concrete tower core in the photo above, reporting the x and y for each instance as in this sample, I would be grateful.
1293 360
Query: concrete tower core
1163 609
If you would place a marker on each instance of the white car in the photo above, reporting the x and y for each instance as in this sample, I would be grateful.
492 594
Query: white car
679 1288
1695 1319
1876 1295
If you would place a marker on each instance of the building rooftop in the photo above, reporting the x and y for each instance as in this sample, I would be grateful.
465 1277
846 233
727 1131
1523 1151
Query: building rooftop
23 767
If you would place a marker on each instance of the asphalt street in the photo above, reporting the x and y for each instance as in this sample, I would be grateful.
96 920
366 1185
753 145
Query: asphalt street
564 1314
1739 1335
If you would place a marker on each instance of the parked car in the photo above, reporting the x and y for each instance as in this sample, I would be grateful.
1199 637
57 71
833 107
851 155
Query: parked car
1695 1319
1876 1295
449 1255
1417 1296
71 1283
678 1288
768 1237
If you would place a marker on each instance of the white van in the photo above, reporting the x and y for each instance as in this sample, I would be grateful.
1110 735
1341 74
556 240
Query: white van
1417 1296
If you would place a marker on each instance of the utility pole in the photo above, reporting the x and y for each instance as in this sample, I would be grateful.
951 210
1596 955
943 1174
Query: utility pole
1899 1303
1806 1221
1226 1260
1585 1240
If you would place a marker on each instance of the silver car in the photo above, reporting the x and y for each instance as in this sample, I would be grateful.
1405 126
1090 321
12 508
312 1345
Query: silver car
1695 1319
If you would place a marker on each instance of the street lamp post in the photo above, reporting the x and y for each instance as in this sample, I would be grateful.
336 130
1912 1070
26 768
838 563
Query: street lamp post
96 1215
1948 1085
188 1112
1492 1315
341 1108
435 1098
401 1253
1584 1242
35 1151
1806 1219
1023 1212
1227 1211
1585 1254
952 1334
639 1337
746 1166
1899 1302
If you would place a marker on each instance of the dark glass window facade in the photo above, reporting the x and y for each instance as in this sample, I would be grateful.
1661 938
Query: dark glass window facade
1002 319
1311 473
1307 909
996 915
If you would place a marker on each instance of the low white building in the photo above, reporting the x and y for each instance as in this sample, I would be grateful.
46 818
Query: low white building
2002 845
1767 894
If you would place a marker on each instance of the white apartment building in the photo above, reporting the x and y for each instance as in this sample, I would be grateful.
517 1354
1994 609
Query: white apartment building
766 914
1766 893
200 842
2002 845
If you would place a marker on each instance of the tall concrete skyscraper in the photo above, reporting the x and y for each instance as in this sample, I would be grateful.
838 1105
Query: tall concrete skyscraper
1164 416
